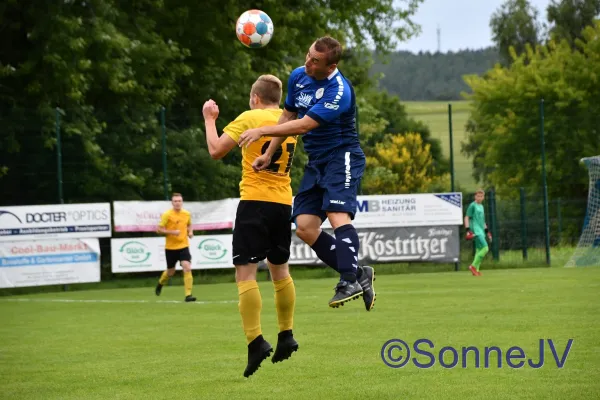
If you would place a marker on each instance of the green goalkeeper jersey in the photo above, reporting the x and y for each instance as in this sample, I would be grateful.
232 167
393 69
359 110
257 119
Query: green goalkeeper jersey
476 216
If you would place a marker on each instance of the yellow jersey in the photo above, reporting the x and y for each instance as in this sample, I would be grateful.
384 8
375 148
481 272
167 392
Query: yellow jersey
173 220
274 183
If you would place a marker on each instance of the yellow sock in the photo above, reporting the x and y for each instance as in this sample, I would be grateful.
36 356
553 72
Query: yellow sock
164 278
285 301
250 306
188 281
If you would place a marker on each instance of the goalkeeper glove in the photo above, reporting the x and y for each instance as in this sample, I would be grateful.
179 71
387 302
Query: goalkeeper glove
469 235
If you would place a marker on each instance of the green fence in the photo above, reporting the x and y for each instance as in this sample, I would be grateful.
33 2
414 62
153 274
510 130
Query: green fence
529 229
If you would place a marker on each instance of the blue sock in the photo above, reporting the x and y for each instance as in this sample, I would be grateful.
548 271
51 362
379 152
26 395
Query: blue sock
346 246
325 249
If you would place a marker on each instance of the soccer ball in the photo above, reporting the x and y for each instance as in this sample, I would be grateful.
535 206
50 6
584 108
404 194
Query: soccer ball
254 28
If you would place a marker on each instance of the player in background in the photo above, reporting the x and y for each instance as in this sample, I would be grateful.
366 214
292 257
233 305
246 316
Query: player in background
477 230
320 105
176 225
262 225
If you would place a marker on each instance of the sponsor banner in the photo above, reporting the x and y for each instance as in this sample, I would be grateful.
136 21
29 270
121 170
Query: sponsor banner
144 216
58 221
148 254
49 262
425 209
399 244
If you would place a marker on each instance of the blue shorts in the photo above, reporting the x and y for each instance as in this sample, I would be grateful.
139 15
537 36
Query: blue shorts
331 186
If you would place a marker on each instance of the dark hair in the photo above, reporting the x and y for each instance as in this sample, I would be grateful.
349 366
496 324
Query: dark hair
331 47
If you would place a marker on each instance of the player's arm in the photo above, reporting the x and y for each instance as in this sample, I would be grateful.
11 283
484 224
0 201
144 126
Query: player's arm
218 147
190 229
290 128
164 231
286 116
487 232
467 222
161 228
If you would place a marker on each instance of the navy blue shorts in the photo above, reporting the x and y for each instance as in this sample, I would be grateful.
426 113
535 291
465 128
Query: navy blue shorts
331 186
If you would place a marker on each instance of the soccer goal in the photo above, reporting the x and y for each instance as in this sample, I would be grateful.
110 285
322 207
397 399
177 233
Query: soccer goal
587 253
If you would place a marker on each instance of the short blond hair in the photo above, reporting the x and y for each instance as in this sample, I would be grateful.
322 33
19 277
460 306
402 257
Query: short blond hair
268 88
480 191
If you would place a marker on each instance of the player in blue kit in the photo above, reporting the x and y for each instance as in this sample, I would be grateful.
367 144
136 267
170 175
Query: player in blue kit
320 105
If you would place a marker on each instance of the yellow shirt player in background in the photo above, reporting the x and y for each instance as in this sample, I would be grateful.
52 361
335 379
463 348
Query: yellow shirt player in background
262 225
176 224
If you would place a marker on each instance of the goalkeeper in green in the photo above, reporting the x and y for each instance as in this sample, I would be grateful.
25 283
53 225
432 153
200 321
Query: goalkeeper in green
477 230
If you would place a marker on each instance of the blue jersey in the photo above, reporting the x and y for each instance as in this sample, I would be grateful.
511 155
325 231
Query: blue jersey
332 103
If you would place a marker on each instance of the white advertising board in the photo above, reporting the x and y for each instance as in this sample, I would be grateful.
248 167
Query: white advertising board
402 210
144 216
148 254
92 220
49 262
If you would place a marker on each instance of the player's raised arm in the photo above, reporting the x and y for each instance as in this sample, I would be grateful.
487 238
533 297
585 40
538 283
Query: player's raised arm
218 147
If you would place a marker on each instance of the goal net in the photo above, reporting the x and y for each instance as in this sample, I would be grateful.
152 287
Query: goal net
587 253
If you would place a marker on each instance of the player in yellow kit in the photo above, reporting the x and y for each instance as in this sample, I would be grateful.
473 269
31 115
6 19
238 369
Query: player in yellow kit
262 226
176 225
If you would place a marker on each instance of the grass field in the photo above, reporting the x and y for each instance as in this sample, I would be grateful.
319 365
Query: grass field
435 115
129 344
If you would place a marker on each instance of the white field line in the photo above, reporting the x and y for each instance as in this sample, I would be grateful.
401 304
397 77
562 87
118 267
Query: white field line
113 301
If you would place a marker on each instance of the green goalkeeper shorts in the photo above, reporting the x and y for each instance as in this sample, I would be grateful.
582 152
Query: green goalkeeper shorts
480 242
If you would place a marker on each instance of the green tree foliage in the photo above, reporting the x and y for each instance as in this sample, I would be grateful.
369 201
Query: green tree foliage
515 25
568 18
382 114
503 132
401 164
109 66
106 69
432 76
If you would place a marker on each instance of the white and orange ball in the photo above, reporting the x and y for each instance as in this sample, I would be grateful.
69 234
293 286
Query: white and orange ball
254 28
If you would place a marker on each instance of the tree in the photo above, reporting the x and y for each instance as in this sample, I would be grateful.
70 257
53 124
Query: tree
107 68
503 131
515 25
104 72
401 164
568 18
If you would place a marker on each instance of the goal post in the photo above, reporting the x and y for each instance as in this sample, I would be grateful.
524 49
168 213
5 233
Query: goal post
587 253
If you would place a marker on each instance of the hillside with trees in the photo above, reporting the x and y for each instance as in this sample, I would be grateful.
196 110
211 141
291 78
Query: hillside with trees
432 76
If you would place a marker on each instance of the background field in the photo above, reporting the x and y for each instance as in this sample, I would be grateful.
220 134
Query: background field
128 344
435 115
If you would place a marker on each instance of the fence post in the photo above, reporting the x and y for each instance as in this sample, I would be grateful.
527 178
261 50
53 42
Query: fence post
523 224
544 184
451 158
451 147
164 152
59 174
494 223
559 217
